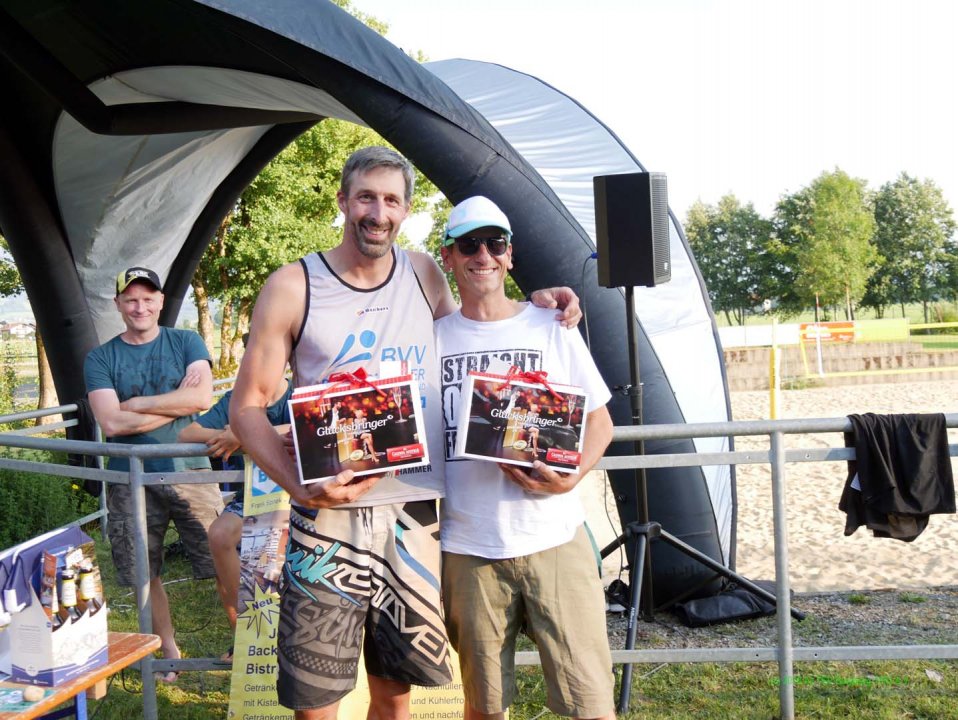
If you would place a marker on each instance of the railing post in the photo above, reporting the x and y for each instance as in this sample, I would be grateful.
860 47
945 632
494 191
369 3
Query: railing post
104 486
144 605
786 687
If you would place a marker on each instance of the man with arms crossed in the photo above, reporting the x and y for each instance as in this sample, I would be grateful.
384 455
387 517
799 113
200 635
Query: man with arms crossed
515 549
145 385
362 554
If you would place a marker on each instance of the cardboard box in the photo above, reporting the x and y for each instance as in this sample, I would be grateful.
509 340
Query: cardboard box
5 652
368 427
13 585
41 654
513 421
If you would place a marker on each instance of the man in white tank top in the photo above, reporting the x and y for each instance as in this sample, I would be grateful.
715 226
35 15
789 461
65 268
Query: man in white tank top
363 555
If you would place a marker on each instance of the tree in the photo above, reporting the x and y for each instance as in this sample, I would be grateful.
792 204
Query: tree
289 210
440 214
824 243
729 242
12 284
915 236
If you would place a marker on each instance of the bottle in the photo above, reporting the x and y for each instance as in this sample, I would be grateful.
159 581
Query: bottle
48 586
68 597
87 592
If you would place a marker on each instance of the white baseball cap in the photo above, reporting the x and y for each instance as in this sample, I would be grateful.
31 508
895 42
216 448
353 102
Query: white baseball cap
472 213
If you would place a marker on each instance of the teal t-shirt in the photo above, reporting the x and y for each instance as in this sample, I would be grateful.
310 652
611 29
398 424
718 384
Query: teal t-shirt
154 368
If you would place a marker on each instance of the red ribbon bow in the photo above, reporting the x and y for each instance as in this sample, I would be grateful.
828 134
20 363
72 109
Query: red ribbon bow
532 376
356 379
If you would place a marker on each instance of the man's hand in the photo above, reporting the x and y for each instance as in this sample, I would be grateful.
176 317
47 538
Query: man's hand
543 480
223 444
335 491
562 298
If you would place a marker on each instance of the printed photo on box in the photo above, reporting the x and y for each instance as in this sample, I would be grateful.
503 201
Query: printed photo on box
366 429
518 422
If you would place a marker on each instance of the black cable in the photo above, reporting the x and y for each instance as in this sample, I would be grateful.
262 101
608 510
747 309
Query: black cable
209 619
588 344
102 701
123 676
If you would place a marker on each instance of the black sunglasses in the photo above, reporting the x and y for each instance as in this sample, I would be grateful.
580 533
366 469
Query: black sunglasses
470 245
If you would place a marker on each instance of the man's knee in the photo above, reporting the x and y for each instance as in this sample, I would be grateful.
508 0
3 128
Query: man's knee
225 533
389 698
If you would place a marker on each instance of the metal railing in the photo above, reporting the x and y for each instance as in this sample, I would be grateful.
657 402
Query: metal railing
777 457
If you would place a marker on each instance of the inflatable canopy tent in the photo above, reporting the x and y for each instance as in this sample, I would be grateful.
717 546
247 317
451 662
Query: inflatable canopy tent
130 130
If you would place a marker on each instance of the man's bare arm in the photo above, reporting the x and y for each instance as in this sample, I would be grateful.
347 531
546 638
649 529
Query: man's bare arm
116 421
196 433
545 481
434 284
277 316
222 442
194 395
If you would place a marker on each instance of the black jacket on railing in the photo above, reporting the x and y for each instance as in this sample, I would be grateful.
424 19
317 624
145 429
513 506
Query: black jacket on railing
901 474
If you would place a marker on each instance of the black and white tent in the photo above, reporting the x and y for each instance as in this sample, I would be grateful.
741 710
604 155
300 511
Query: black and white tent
130 129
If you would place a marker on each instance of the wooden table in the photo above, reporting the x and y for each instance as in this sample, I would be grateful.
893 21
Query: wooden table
124 650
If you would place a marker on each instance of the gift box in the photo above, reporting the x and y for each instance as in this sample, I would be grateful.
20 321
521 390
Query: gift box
520 417
353 423
52 641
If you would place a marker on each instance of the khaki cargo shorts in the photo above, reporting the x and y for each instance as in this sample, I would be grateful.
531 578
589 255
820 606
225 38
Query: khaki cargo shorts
558 593
191 508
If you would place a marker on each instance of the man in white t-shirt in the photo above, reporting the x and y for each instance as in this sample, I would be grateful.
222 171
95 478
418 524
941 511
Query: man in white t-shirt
515 549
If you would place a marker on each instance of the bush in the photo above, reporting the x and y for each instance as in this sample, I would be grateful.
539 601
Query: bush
34 504
942 314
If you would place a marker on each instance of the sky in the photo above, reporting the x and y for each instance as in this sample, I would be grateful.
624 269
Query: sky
751 97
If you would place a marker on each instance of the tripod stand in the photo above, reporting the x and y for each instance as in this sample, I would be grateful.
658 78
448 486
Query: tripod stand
643 530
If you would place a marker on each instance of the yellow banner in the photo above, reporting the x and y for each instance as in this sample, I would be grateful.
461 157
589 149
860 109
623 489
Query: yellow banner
262 553
253 679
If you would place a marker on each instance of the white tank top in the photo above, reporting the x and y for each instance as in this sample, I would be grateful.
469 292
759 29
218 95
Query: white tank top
346 328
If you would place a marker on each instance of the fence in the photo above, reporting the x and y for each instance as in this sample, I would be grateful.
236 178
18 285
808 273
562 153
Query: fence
777 456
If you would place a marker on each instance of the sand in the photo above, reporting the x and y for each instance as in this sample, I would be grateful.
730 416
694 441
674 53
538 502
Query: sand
821 557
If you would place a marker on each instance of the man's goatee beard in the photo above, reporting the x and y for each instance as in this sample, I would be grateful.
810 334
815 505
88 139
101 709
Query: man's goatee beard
371 250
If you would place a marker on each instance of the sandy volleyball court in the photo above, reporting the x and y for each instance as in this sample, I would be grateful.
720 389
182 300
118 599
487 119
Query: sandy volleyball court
820 556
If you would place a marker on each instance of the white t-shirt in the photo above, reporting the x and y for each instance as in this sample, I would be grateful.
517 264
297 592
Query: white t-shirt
484 512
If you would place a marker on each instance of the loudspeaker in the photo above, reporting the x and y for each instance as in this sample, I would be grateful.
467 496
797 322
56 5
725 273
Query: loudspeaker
632 229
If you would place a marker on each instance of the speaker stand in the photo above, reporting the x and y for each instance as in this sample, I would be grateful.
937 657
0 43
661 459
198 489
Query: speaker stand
640 572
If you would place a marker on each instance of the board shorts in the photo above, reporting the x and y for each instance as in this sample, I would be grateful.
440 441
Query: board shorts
191 508
360 580
558 594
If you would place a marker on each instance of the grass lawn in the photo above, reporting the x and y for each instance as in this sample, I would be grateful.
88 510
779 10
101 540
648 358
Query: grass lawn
858 691
913 312
201 631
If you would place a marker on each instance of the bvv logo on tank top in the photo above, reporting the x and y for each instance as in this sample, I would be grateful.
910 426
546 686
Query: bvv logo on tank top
411 355
360 349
